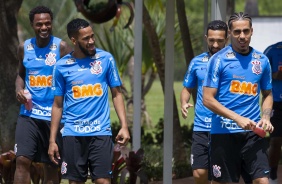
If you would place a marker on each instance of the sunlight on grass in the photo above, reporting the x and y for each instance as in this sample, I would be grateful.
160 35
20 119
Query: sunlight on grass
155 103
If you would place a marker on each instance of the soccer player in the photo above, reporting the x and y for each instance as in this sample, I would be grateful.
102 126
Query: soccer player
216 38
274 54
37 57
81 82
235 77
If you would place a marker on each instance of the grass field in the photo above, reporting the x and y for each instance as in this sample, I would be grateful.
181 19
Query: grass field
155 103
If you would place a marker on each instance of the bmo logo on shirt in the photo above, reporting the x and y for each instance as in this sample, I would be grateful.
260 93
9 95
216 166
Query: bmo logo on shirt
243 88
40 81
87 91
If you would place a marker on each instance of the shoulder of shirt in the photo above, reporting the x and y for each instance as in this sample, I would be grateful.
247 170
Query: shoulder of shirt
201 56
258 54
56 38
103 53
223 52
29 40
273 47
63 60
52 40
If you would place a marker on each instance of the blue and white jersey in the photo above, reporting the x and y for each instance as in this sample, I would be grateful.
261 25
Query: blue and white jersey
274 54
195 77
239 80
39 64
84 84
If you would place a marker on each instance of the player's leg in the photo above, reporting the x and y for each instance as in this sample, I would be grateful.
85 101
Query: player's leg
225 157
101 150
257 166
74 165
200 157
25 148
274 151
50 170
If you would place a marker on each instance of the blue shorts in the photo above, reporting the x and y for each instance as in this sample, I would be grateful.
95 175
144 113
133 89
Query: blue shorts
81 153
200 150
276 119
32 139
237 153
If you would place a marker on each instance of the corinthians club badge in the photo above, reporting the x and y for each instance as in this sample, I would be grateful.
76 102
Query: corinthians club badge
96 67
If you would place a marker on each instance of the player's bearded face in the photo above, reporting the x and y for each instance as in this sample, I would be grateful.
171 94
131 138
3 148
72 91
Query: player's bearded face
216 40
87 52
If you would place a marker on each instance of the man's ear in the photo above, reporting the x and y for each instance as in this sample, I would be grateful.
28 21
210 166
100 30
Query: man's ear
73 40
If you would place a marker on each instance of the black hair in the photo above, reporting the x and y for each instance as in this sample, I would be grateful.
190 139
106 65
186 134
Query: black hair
38 10
217 25
75 25
239 16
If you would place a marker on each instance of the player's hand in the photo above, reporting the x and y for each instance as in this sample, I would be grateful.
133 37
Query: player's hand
266 125
123 137
184 109
20 96
53 153
245 123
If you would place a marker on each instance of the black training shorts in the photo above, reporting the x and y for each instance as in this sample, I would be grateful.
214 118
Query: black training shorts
87 152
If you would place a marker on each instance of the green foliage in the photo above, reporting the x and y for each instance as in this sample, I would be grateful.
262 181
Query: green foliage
266 7
119 43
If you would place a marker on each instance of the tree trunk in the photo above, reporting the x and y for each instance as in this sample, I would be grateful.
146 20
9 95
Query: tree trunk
251 7
179 154
230 8
8 68
186 39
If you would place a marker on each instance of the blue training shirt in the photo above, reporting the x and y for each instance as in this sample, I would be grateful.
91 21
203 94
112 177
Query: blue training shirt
39 64
84 84
274 54
195 77
239 80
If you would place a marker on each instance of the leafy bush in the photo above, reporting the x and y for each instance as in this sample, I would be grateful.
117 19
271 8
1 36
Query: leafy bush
152 144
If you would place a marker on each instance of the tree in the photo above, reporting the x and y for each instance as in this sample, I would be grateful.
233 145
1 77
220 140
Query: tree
251 7
178 151
8 52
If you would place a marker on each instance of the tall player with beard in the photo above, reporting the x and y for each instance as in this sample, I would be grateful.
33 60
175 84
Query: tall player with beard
37 57
81 82
216 38
236 76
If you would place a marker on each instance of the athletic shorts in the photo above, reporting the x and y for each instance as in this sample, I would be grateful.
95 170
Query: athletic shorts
32 139
237 153
276 119
83 152
200 150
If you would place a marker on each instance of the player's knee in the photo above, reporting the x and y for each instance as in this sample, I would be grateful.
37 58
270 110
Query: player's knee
22 161
103 181
200 174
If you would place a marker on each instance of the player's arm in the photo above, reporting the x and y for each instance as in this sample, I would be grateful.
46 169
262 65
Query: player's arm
269 52
277 75
266 110
123 135
19 83
64 49
211 103
57 109
184 100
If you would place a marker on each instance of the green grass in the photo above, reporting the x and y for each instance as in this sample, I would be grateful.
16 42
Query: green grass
155 103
